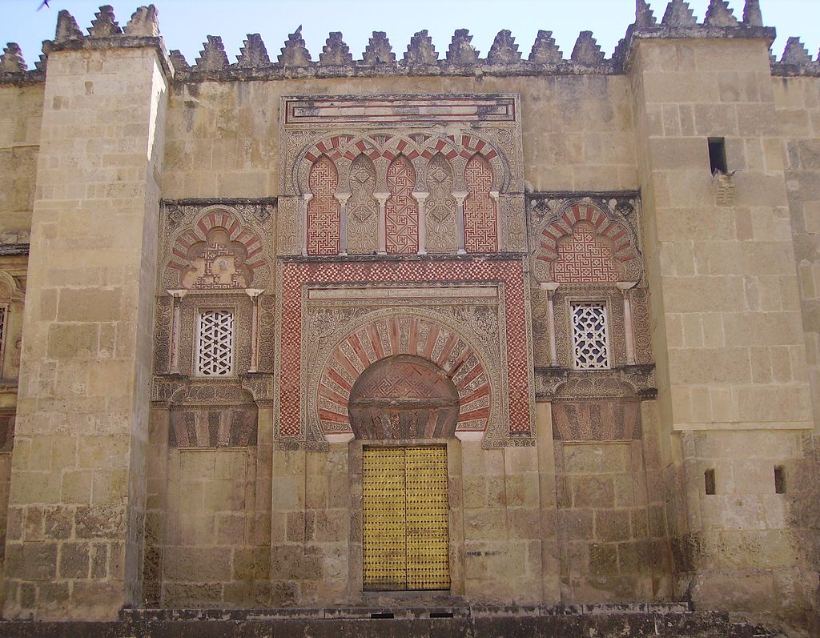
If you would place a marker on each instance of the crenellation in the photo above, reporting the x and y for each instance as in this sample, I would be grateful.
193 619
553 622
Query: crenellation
378 51
421 51
213 56
11 61
253 54
752 15
421 57
719 14
42 61
461 51
179 62
796 60
504 49
795 53
104 25
67 28
587 51
335 52
143 22
678 14
545 50
294 53
644 16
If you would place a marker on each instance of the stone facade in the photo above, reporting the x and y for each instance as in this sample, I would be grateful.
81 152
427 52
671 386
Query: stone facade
221 284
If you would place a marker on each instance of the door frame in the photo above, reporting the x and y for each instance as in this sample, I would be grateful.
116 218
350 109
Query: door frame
455 522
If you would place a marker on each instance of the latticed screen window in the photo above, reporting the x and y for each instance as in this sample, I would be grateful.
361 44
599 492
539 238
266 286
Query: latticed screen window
590 345
214 349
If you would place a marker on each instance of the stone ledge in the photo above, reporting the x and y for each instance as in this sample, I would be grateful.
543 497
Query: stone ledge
662 621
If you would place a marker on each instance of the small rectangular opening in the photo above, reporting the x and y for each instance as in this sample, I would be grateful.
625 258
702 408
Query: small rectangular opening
441 614
709 482
382 614
717 155
779 480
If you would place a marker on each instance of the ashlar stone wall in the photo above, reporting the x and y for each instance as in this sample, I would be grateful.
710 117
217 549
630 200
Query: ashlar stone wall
74 544
22 108
728 331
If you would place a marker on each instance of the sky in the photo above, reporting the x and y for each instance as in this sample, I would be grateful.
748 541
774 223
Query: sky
185 23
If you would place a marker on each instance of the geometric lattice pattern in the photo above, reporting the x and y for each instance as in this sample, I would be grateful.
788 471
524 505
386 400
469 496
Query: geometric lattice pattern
583 259
401 209
323 209
480 223
214 352
589 336
295 275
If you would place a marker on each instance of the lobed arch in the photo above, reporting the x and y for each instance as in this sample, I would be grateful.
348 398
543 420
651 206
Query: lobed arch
397 335
248 246
342 147
619 242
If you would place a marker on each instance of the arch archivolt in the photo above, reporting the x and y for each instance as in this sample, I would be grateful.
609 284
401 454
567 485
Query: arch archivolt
387 333
584 243
382 147
217 235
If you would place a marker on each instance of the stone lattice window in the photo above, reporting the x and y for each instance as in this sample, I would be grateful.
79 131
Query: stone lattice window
214 349
590 343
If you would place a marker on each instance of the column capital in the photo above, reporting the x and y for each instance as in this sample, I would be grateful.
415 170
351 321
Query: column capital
177 293
624 286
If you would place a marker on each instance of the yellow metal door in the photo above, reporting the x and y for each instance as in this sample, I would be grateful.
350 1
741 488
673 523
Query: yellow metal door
406 541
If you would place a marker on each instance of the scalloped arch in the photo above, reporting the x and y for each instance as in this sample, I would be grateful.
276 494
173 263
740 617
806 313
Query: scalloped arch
210 218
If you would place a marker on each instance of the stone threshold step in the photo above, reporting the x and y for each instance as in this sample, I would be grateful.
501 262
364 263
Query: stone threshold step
620 623
398 611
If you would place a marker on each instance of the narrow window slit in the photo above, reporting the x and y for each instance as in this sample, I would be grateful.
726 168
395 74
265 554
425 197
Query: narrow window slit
709 481
717 155
779 480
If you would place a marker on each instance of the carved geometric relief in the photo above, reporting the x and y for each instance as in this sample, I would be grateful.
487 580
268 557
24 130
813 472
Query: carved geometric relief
213 427
440 206
362 208
401 208
583 243
215 252
584 258
598 420
301 328
216 263
480 214
323 209
403 397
